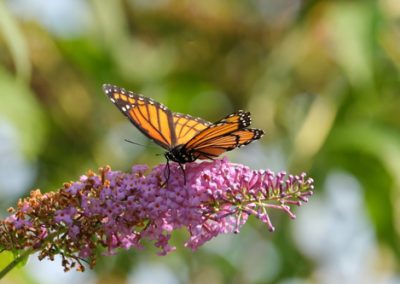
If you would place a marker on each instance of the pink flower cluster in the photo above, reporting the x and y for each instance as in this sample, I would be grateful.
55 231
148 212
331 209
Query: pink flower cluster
119 210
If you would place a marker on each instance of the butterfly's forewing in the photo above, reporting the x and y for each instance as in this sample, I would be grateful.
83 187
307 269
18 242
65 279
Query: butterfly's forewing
214 147
150 117
233 122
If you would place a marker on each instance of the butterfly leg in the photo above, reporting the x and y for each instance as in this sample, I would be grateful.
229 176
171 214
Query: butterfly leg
184 173
167 173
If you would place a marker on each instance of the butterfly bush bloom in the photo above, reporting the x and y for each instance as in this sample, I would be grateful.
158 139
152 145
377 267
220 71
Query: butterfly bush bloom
117 210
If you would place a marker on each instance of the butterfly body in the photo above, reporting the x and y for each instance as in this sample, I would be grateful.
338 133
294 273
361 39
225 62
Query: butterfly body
180 155
185 138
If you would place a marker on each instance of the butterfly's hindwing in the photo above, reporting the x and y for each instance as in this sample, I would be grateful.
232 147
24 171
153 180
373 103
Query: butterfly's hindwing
186 127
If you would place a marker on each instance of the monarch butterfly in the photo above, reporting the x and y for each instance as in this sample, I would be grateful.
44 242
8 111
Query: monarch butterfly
185 138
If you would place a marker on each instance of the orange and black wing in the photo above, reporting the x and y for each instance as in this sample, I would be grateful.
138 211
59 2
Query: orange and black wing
150 117
214 147
224 135
186 127
236 121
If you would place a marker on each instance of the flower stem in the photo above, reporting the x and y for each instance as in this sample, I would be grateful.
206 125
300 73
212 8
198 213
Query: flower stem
15 262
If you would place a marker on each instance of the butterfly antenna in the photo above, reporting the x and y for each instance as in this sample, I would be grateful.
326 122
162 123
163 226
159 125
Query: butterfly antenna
134 143
138 144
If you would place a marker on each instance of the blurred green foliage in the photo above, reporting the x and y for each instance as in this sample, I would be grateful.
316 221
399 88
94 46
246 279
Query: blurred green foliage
320 77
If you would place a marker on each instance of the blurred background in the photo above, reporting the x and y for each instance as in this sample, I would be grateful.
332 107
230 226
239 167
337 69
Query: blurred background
320 77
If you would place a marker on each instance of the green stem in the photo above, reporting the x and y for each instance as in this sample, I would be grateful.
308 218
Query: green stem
15 262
